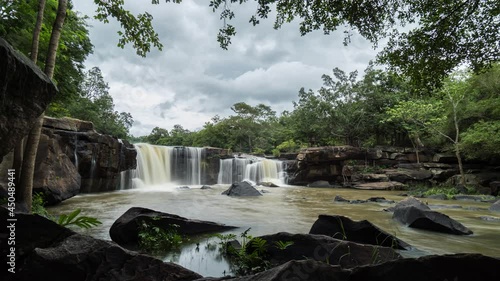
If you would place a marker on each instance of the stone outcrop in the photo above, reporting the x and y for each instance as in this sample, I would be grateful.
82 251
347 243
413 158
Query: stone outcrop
392 164
417 215
125 229
326 249
43 248
495 207
363 232
99 158
243 188
25 92
55 175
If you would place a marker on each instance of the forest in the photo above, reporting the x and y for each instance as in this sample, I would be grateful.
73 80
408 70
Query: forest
382 106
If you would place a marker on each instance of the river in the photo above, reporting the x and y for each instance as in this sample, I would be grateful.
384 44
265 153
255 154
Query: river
290 209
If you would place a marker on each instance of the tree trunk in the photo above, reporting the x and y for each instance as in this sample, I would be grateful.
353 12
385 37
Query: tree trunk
460 166
19 149
28 167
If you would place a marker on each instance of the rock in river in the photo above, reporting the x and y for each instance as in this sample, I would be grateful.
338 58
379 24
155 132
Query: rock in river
243 188
125 229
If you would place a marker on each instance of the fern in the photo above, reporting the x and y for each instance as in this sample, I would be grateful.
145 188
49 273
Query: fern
73 219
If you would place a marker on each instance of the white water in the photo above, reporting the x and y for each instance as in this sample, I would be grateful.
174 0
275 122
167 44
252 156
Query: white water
160 165
256 170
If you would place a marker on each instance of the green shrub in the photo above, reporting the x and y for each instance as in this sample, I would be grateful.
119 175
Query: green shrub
38 205
154 239
80 221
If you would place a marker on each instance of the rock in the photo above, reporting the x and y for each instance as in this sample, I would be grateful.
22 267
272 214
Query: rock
409 201
477 198
438 206
444 158
206 187
55 176
25 93
461 267
268 184
380 200
495 187
320 184
243 188
389 185
495 207
99 159
339 198
363 232
437 196
429 220
124 230
44 248
357 201
264 191
490 218
370 177
407 175
183 187
324 248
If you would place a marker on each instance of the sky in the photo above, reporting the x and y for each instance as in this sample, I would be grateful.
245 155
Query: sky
193 79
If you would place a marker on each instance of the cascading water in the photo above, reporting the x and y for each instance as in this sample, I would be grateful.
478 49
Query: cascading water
256 170
159 165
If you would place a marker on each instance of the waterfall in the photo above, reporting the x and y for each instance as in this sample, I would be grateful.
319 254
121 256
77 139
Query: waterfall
157 165
256 170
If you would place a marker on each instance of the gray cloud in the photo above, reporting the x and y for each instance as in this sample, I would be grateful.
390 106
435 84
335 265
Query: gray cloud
193 79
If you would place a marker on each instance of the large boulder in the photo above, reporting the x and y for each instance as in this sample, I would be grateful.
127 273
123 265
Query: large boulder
415 214
408 175
324 248
55 175
125 229
25 92
43 248
462 267
243 188
364 232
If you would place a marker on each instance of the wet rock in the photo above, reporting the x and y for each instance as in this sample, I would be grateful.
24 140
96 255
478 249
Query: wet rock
25 93
380 200
389 185
320 184
183 187
495 207
44 248
437 196
243 188
416 217
326 249
206 187
477 198
357 201
268 184
339 198
125 229
264 191
409 201
364 232
490 218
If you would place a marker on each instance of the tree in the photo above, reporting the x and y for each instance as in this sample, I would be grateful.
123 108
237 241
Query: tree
28 167
443 35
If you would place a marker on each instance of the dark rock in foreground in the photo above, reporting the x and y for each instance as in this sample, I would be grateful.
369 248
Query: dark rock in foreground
49 251
125 229
415 214
460 267
243 188
364 232
326 249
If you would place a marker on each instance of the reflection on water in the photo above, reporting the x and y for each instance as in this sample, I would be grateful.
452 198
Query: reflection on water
290 209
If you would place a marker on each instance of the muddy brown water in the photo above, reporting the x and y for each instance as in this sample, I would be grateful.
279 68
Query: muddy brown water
290 209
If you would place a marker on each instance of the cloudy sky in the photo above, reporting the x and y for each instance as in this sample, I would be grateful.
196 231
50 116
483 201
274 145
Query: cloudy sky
193 79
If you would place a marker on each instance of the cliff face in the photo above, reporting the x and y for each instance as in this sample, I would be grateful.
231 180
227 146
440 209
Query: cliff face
25 92
385 168
99 159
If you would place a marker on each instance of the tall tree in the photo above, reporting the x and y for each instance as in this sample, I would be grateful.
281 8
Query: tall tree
28 168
